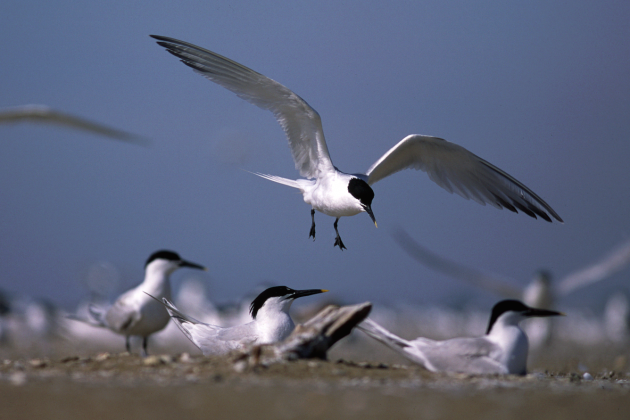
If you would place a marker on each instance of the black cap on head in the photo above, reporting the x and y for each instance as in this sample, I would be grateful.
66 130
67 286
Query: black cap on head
279 291
361 191
163 255
516 306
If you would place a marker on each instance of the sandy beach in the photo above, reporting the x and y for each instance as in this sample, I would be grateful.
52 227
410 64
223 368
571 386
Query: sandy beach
358 381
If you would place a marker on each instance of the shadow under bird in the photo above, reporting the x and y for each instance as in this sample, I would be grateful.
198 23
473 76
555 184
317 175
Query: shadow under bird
336 193
136 314
271 322
503 350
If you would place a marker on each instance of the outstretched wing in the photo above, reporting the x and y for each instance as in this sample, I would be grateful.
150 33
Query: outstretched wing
608 265
45 114
459 171
300 122
495 284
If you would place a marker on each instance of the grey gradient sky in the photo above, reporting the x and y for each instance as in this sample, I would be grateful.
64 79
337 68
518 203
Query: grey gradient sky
541 89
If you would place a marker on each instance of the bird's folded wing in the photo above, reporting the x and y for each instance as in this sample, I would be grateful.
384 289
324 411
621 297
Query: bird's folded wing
300 122
463 355
122 316
459 171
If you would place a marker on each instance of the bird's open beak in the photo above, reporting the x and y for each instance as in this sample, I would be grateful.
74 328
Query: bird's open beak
368 209
542 312
308 292
189 264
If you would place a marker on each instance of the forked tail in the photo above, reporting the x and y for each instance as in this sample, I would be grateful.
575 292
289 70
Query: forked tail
289 182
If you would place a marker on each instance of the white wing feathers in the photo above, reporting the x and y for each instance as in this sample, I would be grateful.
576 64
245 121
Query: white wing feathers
300 122
457 170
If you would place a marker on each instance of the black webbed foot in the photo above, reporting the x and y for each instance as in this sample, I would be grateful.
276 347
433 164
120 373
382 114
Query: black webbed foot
338 241
312 232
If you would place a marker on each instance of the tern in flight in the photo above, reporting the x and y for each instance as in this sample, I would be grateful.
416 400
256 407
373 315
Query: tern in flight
336 193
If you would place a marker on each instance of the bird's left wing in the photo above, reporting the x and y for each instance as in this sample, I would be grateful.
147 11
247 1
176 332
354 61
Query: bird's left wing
45 114
300 122
459 171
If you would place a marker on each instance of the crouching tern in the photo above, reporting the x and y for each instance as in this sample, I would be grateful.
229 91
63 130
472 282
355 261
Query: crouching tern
503 350
336 193
271 322
136 314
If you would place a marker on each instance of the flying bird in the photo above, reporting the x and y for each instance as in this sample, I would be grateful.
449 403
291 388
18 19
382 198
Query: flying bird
335 193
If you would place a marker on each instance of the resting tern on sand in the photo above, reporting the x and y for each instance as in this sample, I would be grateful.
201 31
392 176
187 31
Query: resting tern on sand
47 115
503 350
136 314
271 322
336 193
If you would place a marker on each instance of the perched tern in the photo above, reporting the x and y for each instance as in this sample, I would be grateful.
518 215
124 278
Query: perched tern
503 350
48 115
336 193
136 314
271 322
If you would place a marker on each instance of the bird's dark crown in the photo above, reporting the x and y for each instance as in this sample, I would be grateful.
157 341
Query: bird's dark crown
163 255
361 191
504 306
276 291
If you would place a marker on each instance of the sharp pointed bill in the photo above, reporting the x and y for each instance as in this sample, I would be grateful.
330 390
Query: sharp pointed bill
338 194
271 322
47 115
136 314
503 350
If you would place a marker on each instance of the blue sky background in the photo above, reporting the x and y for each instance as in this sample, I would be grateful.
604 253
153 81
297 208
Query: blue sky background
540 89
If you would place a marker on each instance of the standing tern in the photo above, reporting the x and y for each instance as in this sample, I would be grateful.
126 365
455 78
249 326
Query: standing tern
136 314
503 350
48 115
271 322
336 193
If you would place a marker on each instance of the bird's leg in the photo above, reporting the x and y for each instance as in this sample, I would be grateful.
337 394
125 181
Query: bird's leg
312 232
338 241
127 344
144 346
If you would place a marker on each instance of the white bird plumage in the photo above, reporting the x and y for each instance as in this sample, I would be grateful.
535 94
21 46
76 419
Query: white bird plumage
503 350
271 322
339 194
136 314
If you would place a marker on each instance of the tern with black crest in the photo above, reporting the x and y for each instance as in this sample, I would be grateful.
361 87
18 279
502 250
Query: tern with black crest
335 193
136 314
271 322
503 350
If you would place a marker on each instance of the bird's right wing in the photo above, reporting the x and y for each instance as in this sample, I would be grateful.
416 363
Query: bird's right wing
608 265
45 114
300 122
459 171
495 284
